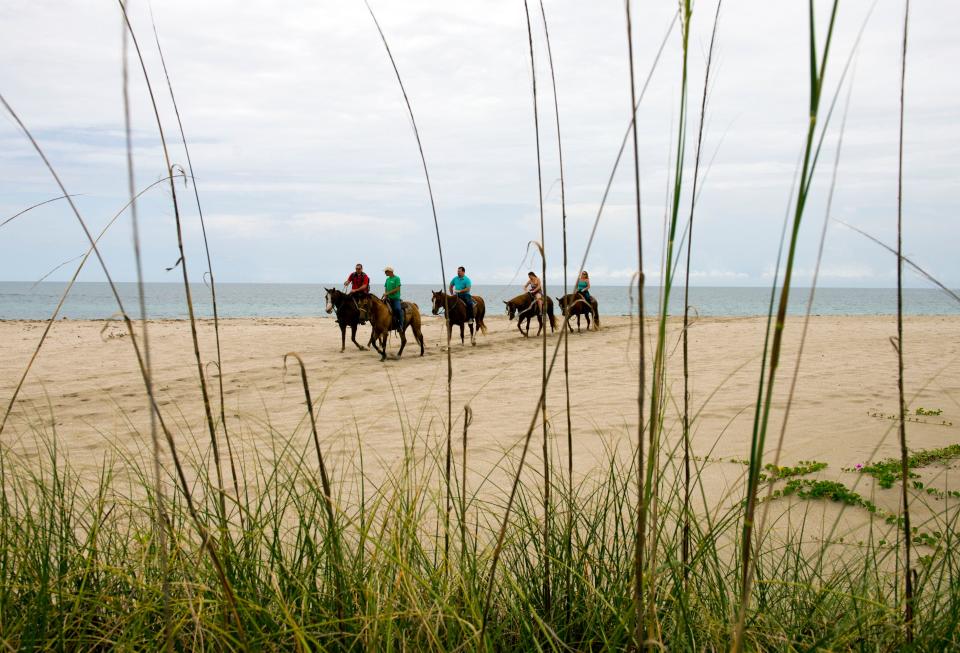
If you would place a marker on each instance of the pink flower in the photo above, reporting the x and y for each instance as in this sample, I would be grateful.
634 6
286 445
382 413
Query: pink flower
859 466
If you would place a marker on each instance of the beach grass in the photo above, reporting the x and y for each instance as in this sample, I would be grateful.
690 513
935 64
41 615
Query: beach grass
315 568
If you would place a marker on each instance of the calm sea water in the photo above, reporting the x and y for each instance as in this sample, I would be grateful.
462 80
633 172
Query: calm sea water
23 301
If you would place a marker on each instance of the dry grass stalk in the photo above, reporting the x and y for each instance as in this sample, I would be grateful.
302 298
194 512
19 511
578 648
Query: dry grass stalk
640 540
904 453
446 312
685 544
566 343
208 541
182 261
206 247
161 518
547 598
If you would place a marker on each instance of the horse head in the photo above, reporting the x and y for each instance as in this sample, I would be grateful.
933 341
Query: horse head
332 299
437 302
511 309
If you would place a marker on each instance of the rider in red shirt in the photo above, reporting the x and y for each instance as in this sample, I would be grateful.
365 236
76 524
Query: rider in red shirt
359 284
358 281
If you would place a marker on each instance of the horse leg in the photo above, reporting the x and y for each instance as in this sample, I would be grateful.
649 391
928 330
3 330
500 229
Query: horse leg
374 337
539 324
578 323
383 346
343 337
353 337
473 339
461 332
403 342
418 334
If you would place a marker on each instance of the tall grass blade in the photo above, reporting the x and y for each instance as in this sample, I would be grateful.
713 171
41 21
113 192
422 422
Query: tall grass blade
206 247
221 500
62 300
566 348
685 544
547 598
325 481
160 530
32 207
760 424
908 606
501 534
641 525
208 542
436 227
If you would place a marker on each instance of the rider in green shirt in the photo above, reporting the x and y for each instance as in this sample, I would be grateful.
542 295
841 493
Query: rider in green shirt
392 295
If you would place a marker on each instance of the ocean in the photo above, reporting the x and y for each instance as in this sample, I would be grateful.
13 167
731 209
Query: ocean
93 300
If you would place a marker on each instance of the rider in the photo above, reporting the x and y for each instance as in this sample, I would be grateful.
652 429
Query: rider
460 286
583 287
392 295
359 284
535 289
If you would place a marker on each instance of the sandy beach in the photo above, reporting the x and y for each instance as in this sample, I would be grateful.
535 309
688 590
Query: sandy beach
86 388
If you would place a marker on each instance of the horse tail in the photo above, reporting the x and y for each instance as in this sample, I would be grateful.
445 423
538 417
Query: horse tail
479 310
553 320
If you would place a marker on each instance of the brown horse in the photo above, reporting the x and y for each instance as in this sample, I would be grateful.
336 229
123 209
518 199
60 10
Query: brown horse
525 306
348 314
381 319
457 314
578 306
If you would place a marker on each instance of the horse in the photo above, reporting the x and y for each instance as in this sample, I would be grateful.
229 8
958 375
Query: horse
381 319
457 313
525 306
578 306
348 314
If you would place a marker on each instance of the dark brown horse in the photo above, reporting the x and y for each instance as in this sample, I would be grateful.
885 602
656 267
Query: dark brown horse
525 307
348 315
457 314
381 319
578 306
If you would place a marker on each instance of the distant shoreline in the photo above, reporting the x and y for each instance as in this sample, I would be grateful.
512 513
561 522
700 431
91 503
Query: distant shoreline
95 300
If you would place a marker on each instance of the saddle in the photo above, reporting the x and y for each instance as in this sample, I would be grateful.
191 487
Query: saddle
407 311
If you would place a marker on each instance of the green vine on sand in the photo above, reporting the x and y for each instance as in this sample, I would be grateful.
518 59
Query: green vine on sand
805 488
920 412
933 412
887 471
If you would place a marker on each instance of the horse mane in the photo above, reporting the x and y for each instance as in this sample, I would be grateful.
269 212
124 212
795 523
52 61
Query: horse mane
519 300
448 296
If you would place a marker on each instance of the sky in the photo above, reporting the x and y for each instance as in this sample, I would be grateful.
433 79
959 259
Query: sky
305 161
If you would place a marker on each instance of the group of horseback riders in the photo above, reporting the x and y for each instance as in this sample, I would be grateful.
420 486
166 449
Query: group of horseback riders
359 286
356 305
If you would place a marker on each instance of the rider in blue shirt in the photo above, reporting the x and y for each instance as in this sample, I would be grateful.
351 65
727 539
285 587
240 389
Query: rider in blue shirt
460 286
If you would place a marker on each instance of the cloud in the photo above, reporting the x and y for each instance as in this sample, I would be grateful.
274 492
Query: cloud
298 131
316 224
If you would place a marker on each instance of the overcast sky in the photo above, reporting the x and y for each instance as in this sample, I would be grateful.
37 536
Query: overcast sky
306 163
